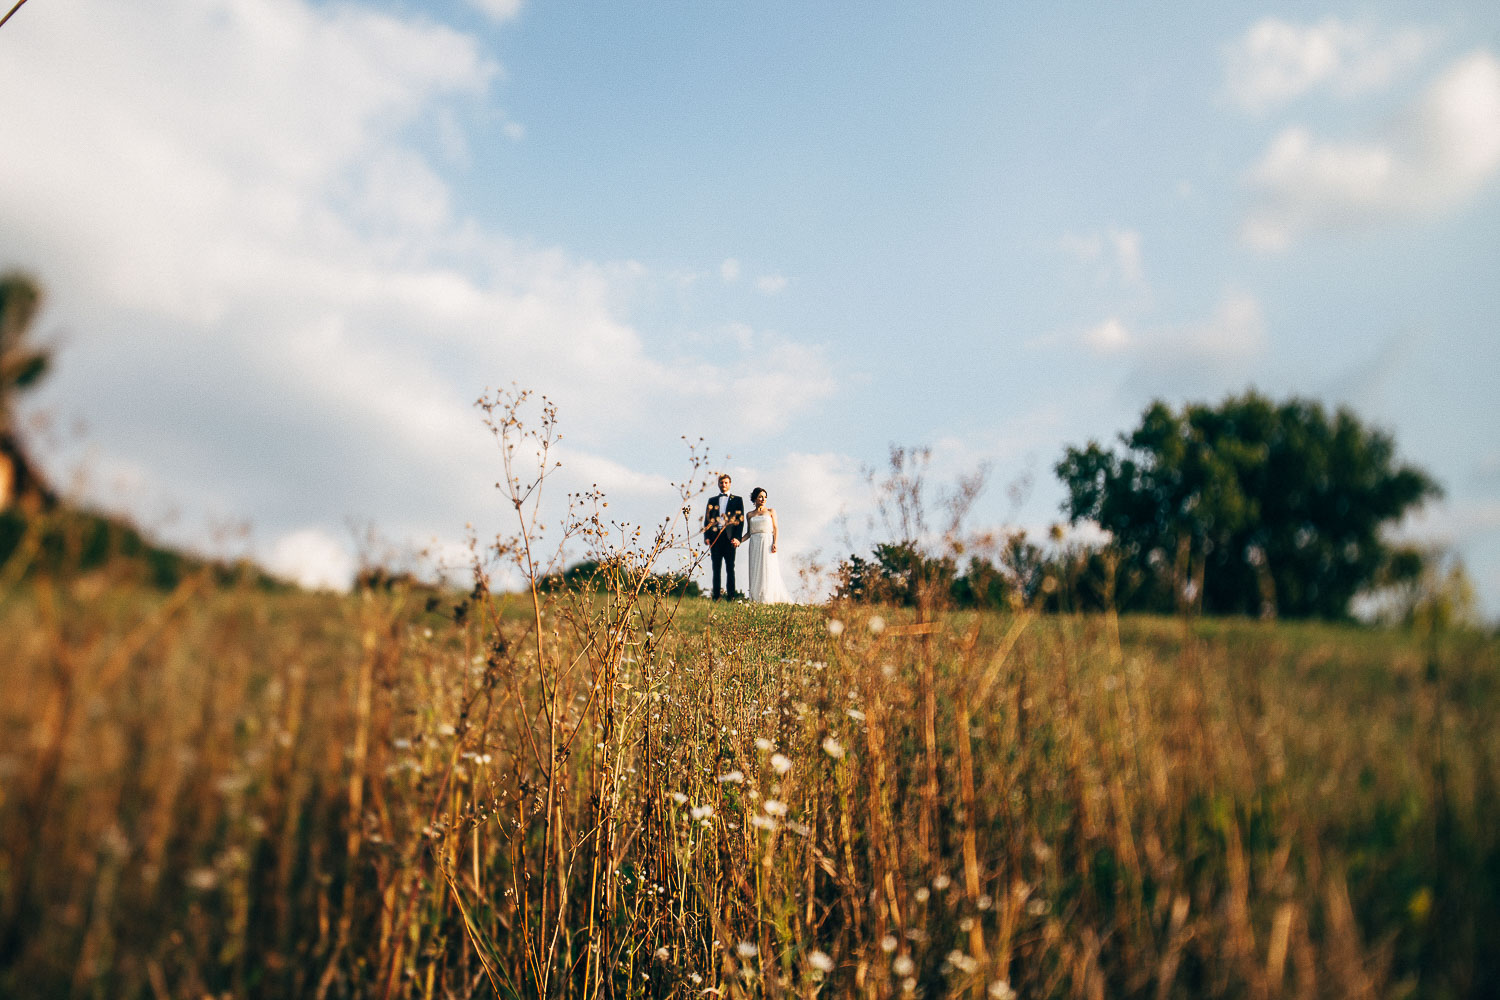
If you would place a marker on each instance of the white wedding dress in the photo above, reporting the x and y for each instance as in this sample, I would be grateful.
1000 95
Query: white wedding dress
766 585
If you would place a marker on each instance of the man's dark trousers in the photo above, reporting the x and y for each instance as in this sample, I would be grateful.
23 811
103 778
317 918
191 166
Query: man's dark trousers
722 554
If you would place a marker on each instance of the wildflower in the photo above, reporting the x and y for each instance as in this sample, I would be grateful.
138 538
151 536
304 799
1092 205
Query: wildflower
835 627
833 748
922 894
855 714
985 901
1000 990
663 953
746 949
888 943
679 798
781 763
876 624
903 965
800 829
763 823
763 744
446 730
966 924
732 777
203 879
941 883
820 960
774 807
702 812
1037 907
962 962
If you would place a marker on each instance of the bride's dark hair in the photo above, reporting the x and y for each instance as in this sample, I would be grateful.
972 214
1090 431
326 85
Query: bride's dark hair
757 492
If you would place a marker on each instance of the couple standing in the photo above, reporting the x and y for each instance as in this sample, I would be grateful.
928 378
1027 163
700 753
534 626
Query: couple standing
726 527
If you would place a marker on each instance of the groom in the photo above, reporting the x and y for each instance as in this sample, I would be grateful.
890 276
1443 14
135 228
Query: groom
723 523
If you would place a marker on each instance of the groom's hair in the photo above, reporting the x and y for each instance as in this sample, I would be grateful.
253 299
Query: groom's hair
723 476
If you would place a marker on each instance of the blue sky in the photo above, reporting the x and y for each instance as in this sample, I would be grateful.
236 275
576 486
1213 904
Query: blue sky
288 243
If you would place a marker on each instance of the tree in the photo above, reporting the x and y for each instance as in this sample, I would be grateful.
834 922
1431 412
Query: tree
21 366
1248 507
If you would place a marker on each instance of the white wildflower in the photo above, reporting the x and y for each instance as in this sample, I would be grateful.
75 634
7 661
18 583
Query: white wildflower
761 743
922 894
941 883
1000 990
888 943
781 763
679 798
774 807
820 960
903 965
833 748
746 949
702 812
735 777
763 823
877 624
835 627
203 879
855 714
663 953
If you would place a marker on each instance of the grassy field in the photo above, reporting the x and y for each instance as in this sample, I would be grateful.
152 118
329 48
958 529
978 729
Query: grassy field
218 791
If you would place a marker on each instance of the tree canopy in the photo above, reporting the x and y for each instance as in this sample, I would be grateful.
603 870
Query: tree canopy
1247 507
22 365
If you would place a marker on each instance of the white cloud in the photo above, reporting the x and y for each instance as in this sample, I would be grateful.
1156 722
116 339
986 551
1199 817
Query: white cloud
312 558
729 270
771 284
1277 61
1115 253
1236 330
1109 337
1437 154
273 292
498 10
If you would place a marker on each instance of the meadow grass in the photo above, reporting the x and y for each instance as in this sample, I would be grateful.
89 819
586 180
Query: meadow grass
220 791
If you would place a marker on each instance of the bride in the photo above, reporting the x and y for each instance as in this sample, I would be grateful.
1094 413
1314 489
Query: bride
766 586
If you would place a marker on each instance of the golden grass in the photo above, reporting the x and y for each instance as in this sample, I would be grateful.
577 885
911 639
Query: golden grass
225 792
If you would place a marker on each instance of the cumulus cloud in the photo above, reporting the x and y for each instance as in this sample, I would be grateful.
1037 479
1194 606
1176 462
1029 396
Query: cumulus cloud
1277 61
729 270
1434 156
1115 253
271 290
771 284
311 558
1109 337
497 10
1235 331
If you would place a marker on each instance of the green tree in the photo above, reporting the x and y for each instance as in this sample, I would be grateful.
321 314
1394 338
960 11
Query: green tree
22 365
1248 507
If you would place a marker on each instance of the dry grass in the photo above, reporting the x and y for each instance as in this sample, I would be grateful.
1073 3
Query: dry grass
296 795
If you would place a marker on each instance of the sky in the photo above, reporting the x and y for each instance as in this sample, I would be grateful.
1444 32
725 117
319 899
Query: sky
287 244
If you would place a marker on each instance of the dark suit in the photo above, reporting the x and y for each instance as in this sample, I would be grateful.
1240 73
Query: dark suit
720 534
